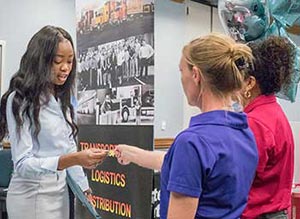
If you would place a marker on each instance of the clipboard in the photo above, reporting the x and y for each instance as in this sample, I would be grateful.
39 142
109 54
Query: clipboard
81 196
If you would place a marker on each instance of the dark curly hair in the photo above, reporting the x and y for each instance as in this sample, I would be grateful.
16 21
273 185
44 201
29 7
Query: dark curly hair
273 65
33 80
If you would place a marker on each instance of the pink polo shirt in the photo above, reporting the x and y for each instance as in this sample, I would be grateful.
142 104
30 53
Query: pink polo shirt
271 188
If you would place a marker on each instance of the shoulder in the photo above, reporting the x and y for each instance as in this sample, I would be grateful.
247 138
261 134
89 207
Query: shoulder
190 140
186 135
266 118
257 123
191 146
194 134
265 113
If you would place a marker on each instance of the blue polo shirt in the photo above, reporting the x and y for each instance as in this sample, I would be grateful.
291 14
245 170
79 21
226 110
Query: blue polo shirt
214 160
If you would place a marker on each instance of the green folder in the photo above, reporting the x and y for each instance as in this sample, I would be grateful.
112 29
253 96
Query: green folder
81 196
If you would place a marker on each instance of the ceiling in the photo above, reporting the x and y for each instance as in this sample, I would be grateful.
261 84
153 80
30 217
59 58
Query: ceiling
213 3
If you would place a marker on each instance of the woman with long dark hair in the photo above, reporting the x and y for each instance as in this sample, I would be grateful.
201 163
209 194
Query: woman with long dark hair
38 116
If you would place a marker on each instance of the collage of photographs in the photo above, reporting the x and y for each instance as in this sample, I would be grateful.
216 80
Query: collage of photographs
115 41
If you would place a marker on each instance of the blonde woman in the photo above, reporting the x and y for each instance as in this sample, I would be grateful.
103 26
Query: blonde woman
208 170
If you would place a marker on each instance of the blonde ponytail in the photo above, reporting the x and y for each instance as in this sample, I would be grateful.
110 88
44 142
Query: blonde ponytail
222 61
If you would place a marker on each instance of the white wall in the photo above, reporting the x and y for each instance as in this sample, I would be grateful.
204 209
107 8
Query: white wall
174 27
292 112
198 23
201 20
19 20
169 26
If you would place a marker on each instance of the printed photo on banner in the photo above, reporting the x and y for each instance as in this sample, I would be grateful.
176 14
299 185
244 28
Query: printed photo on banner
124 62
115 78
99 22
131 105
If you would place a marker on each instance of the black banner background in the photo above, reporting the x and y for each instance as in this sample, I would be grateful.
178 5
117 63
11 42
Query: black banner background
138 181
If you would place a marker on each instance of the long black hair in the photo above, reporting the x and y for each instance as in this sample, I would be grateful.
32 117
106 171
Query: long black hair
33 80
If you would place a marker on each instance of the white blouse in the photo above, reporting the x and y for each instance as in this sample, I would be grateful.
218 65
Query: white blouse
36 157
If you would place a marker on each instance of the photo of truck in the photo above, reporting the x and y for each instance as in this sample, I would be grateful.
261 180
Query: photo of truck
112 12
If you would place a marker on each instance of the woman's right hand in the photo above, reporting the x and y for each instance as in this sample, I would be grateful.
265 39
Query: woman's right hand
125 153
91 158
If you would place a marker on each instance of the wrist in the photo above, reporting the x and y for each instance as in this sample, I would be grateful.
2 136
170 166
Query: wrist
66 160
136 154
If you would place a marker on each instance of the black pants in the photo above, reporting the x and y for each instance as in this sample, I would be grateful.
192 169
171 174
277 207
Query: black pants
275 215
144 65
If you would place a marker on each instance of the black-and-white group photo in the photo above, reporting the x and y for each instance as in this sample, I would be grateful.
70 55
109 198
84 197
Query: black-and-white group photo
120 63
115 80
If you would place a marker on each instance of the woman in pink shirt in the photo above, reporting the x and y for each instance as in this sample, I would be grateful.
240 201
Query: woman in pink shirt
270 195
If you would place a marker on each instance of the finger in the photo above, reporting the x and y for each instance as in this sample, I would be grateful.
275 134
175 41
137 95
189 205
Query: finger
104 152
99 155
101 151
117 153
94 151
123 162
97 162
119 160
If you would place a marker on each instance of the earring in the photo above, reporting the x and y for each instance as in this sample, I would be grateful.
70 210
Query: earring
247 94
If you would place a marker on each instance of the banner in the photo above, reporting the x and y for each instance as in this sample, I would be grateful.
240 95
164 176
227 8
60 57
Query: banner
155 200
119 191
115 92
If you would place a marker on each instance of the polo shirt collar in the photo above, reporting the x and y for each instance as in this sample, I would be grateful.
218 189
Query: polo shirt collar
236 120
260 100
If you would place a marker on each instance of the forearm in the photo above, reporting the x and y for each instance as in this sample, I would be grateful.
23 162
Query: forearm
181 206
67 160
148 159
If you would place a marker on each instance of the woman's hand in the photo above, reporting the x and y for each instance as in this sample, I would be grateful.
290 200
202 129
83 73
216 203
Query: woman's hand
91 158
125 153
88 158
